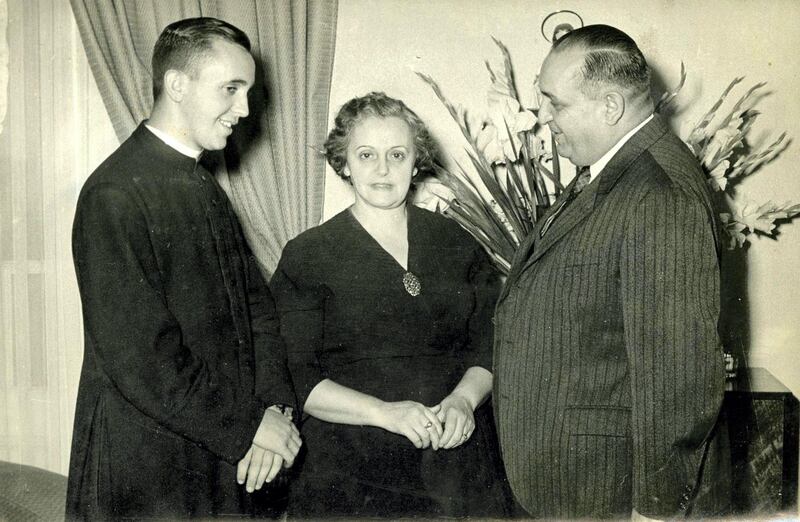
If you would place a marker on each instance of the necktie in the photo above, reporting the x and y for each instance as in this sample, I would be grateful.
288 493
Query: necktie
583 178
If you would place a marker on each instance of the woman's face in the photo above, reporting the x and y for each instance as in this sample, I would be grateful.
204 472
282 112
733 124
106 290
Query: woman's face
380 161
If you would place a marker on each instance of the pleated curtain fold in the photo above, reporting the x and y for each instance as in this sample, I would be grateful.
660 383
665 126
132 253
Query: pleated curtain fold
271 168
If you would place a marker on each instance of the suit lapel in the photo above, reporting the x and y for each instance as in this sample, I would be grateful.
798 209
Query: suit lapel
528 244
567 219
533 248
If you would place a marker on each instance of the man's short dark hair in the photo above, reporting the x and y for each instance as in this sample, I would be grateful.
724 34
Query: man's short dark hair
183 44
612 57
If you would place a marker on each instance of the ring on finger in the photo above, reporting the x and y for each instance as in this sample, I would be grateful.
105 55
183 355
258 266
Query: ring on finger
429 425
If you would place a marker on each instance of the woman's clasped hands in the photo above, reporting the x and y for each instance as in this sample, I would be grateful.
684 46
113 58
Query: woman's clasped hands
455 413
446 425
415 421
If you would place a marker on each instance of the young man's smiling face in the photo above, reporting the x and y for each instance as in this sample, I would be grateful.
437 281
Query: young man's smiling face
215 95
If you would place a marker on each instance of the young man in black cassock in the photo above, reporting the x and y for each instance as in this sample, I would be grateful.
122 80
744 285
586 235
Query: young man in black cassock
183 372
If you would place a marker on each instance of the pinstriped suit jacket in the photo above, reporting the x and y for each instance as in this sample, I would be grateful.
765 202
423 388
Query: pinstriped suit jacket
608 370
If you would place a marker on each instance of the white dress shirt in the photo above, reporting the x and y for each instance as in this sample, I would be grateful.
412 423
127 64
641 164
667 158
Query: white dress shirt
597 167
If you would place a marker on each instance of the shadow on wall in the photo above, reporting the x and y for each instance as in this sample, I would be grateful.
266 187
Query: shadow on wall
734 325
249 131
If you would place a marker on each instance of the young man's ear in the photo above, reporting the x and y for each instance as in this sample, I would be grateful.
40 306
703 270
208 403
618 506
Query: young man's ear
175 83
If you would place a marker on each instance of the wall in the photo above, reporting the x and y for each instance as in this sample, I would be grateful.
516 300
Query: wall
381 44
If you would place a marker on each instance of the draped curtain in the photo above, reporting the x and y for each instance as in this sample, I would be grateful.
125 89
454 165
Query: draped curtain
55 132
3 62
270 169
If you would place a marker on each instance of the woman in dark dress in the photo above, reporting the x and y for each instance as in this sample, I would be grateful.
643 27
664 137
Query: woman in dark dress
386 313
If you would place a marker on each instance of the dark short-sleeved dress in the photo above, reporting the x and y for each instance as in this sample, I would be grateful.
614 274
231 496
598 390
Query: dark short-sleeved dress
347 316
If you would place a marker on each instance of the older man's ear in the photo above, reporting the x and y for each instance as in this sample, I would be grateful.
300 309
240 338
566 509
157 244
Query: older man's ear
614 107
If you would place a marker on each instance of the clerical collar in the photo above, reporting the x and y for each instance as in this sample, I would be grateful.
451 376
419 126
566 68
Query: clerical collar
597 167
175 144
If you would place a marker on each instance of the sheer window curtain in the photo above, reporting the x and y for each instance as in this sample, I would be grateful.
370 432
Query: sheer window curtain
55 132
270 168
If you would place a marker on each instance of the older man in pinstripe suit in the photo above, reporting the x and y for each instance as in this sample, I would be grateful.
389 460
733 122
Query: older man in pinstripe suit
608 369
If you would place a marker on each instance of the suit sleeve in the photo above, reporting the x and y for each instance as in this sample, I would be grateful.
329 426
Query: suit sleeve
138 341
300 304
670 296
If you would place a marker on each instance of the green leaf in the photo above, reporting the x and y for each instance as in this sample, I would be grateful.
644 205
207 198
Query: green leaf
491 184
740 102
706 119
489 217
669 96
520 221
449 106
492 243
509 68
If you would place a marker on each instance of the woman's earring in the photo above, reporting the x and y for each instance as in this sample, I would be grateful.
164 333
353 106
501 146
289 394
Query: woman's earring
414 173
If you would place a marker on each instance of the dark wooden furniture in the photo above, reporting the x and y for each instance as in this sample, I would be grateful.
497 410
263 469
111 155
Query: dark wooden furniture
763 420
29 493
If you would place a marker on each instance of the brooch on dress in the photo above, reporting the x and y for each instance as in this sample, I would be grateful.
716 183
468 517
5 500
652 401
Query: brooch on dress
412 284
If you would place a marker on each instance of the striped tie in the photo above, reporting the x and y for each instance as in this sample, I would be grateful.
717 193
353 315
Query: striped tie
583 178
